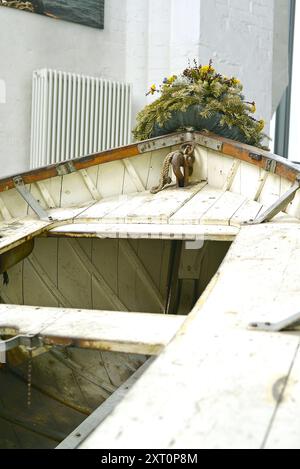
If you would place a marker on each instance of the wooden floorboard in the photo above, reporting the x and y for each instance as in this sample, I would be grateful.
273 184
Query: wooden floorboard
226 380
193 211
224 209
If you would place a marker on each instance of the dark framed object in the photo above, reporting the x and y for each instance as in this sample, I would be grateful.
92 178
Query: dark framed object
87 12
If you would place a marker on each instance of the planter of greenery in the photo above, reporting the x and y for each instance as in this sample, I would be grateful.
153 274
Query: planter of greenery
200 99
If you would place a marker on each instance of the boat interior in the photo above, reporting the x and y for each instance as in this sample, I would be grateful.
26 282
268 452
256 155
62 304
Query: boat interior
106 285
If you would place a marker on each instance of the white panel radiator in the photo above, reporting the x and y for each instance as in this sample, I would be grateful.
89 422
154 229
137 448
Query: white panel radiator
75 115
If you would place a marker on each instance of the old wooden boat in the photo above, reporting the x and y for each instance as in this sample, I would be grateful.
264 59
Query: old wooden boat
99 275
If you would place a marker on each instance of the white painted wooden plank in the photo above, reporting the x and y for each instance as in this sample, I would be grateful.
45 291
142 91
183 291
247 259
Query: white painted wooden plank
53 186
134 175
46 194
155 256
261 184
228 409
45 250
90 185
15 232
192 212
140 333
231 175
146 231
271 190
139 205
142 273
200 165
105 253
90 267
28 319
92 172
128 186
4 211
234 406
156 162
294 208
74 191
69 213
285 185
250 176
36 193
126 278
111 179
160 207
15 204
237 182
219 167
224 209
141 164
248 211
283 217
99 209
128 205
52 291
285 429
74 277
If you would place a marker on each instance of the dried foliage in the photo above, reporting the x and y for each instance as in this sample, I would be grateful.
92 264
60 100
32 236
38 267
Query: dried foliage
216 95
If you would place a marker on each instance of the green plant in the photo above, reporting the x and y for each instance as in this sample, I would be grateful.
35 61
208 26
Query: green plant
215 94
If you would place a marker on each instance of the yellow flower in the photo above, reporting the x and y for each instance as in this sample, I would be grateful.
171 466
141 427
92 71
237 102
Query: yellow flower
260 125
235 81
206 68
152 90
254 109
172 79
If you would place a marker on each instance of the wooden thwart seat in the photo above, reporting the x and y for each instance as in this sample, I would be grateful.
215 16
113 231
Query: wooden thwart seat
139 333
15 232
145 231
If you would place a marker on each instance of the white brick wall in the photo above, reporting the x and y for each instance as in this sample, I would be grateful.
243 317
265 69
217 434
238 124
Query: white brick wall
239 38
236 34
143 41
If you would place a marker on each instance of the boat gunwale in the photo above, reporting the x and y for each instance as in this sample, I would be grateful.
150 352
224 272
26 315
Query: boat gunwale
249 154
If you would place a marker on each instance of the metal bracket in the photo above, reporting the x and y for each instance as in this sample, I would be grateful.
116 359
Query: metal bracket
255 156
162 142
277 207
271 166
31 201
28 341
65 168
290 324
208 142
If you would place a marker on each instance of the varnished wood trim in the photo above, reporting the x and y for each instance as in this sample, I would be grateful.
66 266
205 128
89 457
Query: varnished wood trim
222 145
243 152
47 172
